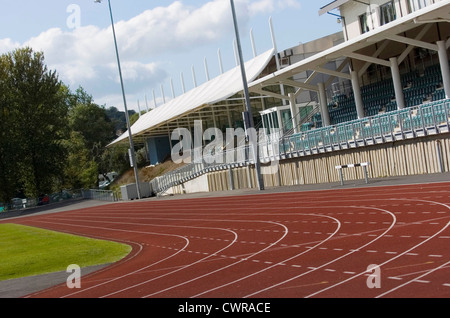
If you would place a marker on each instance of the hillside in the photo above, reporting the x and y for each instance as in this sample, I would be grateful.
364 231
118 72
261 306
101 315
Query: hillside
146 174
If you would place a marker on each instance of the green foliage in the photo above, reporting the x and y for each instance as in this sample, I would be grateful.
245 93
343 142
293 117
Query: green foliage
81 172
114 159
51 138
35 107
92 130
135 117
9 131
91 121
141 157
118 118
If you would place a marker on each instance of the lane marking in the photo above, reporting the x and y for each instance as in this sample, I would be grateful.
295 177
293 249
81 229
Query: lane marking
394 219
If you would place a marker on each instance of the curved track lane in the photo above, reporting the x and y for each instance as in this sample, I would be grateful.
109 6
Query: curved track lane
305 244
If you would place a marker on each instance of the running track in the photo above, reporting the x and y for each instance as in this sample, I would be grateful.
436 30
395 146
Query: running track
304 244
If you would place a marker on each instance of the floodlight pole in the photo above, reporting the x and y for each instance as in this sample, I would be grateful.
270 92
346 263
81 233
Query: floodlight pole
130 136
250 123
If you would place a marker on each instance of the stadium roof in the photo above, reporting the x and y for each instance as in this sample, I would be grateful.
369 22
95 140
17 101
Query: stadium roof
230 83
354 49
331 6
205 95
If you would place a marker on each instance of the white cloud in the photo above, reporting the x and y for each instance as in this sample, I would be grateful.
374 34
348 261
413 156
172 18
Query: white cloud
85 56
7 45
268 6
285 4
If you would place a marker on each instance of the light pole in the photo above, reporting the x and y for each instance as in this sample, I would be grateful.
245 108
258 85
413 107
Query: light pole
249 117
130 136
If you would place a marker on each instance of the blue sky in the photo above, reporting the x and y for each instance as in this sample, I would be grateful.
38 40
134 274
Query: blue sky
158 39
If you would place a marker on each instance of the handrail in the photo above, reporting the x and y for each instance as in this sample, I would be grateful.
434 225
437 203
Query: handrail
412 122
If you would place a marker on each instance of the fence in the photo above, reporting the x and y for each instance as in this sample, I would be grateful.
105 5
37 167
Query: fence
409 123
20 203
100 195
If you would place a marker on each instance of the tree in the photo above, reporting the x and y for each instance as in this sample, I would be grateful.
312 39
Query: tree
35 102
118 118
9 137
81 171
95 128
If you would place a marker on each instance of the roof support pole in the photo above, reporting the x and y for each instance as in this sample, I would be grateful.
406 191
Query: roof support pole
324 105
139 108
154 99
252 39
230 122
169 134
206 70
183 87
292 104
163 95
172 88
443 61
219 56
274 43
194 79
357 94
399 96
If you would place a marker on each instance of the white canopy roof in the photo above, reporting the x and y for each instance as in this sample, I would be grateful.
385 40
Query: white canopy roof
331 6
209 93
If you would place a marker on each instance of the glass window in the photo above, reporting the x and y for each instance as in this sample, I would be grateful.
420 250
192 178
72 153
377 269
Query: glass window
363 23
387 13
266 123
286 119
415 5
275 120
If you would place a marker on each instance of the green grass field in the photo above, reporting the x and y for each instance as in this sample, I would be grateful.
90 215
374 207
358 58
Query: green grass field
27 251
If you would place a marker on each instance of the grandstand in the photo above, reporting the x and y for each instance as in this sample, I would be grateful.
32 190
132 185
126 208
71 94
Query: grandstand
380 93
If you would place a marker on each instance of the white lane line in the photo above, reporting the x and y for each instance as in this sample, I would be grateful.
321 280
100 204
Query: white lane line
417 279
394 219
286 231
284 261
399 255
169 273
428 272
127 231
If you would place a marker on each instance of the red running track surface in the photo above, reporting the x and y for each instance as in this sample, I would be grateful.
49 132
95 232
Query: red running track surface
304 244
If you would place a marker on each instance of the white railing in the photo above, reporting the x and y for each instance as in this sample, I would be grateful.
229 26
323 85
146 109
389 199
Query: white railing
413 122
100 195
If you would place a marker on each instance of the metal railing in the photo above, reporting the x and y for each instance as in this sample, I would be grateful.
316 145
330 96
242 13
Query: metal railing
100 195
419 121
413 122
44 200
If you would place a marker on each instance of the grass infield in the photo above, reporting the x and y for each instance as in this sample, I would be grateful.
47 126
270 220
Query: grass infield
28 251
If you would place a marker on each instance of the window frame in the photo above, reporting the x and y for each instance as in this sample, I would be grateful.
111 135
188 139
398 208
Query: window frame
388 13
363 23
